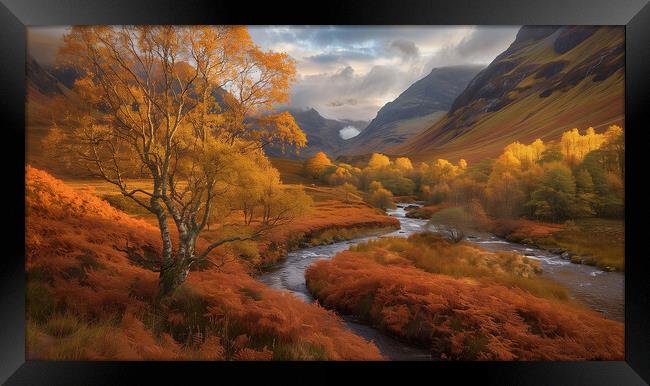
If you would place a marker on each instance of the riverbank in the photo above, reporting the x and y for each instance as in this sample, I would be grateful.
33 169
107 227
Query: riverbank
333 219
460 306
586 284
591 241
87 300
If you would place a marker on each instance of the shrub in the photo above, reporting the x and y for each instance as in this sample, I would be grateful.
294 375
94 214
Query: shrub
381 198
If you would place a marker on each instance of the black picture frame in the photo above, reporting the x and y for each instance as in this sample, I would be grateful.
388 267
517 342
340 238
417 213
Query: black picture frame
15 15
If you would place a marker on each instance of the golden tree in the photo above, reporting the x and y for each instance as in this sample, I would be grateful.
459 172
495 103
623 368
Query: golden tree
575 147
183 107
378 160
315 166
403 164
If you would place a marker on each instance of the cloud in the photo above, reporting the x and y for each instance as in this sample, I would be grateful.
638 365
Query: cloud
340 56
405 49
346 93
479 46
348 132
339 102
350 72
485 42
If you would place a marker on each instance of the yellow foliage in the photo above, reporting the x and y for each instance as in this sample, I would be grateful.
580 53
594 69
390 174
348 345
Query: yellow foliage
315 166
378 160
404 164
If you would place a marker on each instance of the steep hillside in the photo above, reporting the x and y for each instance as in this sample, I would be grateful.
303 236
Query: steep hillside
49 97
420 106
322 133
549 80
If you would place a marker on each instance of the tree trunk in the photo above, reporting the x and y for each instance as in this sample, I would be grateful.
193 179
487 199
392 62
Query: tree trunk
172 277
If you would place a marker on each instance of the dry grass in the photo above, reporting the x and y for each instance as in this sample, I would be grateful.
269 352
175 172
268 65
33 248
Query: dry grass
332 219
425 212
462 317
291 172
433 254
87 301
597 241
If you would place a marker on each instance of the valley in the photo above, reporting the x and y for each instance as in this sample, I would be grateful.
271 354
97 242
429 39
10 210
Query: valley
177 209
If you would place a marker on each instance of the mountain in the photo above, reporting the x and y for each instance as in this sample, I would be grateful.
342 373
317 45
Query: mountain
47 99
549 80
322 133
40 79
49 87
421 105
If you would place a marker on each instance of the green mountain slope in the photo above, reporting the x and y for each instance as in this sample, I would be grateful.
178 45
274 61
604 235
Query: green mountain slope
549 80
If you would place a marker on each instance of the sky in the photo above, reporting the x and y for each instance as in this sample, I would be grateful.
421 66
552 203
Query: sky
350 72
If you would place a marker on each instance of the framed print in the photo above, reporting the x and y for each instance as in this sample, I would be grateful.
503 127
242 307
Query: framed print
228 190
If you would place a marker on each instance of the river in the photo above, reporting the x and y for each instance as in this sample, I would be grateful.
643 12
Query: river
599 290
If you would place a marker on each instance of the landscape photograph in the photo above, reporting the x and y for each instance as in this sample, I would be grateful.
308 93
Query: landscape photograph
325 193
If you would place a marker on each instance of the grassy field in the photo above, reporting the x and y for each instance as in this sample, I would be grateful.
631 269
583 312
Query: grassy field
596 241
87 300
461 302
291 172
331 219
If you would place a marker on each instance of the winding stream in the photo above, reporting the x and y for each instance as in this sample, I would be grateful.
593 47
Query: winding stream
601 291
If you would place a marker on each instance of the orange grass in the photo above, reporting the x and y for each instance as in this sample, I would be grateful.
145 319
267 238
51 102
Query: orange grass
521 229
87 301
425 212
465 317
331 220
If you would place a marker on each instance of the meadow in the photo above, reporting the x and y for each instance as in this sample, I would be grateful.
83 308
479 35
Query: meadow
462 303
87 300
